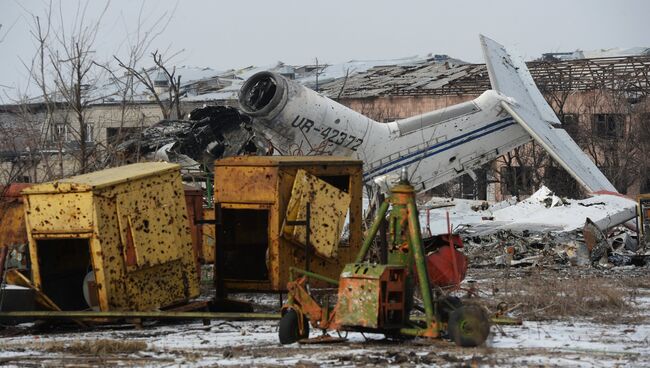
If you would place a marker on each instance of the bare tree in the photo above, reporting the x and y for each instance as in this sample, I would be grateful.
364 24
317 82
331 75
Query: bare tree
64 70
69 75
131 118
169 106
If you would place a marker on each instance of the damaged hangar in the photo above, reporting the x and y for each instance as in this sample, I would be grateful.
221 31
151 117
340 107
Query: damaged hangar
598 100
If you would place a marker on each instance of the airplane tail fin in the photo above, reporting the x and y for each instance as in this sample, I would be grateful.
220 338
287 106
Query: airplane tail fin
510 77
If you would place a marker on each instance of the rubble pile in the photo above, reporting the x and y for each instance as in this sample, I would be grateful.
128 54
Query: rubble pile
545 230
209 133
506 248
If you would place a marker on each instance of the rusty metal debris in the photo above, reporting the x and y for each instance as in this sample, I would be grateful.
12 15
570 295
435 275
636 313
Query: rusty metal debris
380 297
329 206
13 236
583 248
253 194
546 230
116 239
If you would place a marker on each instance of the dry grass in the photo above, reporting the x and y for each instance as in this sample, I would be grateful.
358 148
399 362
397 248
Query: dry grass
97 347
543 298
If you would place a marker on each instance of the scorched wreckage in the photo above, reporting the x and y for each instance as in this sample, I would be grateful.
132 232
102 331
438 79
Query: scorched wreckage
119 240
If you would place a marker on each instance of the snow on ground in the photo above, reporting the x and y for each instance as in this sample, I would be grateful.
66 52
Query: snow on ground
576 343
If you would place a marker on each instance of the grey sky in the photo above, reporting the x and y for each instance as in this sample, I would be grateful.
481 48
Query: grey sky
233 34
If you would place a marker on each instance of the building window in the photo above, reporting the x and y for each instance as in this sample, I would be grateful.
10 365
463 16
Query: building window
608 125
60 132
90 132
570 119
516 180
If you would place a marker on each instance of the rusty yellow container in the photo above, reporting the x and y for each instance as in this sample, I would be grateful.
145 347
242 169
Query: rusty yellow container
254 193
122 232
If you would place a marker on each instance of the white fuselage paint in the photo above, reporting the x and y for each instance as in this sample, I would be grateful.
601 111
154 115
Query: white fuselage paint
435 147
442 148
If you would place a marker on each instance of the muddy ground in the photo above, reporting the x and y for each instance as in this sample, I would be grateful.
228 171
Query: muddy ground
572 317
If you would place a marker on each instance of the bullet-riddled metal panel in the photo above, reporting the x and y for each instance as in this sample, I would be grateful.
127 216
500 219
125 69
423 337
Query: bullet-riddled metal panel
147 224
147 200
59 213
159 286
282 171
371 295
194 204
207 244
255 184
12 216
328 209
359 295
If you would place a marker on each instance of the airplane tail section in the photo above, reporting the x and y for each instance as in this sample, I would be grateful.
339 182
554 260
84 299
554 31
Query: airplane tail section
510 77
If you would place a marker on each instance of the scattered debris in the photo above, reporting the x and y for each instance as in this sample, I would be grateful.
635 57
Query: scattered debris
209 133
543 229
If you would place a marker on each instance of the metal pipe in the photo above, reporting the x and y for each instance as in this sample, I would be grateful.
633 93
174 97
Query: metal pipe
453 252
418 255
128 314
383 242
219 252
370 236
411 331
307 235
3 256
312 275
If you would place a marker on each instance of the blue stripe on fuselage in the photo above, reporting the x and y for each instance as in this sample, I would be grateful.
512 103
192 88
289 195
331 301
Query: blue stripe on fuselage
430 151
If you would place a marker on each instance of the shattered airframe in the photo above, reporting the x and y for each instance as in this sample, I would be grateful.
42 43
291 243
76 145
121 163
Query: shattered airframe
209 133
435 147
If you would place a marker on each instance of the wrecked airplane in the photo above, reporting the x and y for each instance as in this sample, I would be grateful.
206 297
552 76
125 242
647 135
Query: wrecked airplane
435 147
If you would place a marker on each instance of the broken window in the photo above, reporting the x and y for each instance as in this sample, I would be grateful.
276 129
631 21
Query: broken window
516 180
389 119
561 182
60 132
608 125
571 124
474 188
90 130
570 119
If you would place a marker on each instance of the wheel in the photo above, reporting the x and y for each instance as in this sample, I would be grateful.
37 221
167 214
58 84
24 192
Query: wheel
469 325
447 306
288 331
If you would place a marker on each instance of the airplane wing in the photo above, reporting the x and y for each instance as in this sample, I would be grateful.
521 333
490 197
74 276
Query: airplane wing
510 77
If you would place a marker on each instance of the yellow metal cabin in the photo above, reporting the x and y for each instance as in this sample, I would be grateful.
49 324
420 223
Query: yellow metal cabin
127 224
254 193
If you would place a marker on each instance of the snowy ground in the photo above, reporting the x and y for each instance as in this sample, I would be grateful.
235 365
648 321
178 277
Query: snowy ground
563 342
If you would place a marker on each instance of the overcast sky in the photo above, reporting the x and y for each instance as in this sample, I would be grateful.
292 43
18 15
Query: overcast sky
234 34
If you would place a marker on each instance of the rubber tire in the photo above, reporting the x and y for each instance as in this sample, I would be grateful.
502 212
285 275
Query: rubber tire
447 306
469 326
288 331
